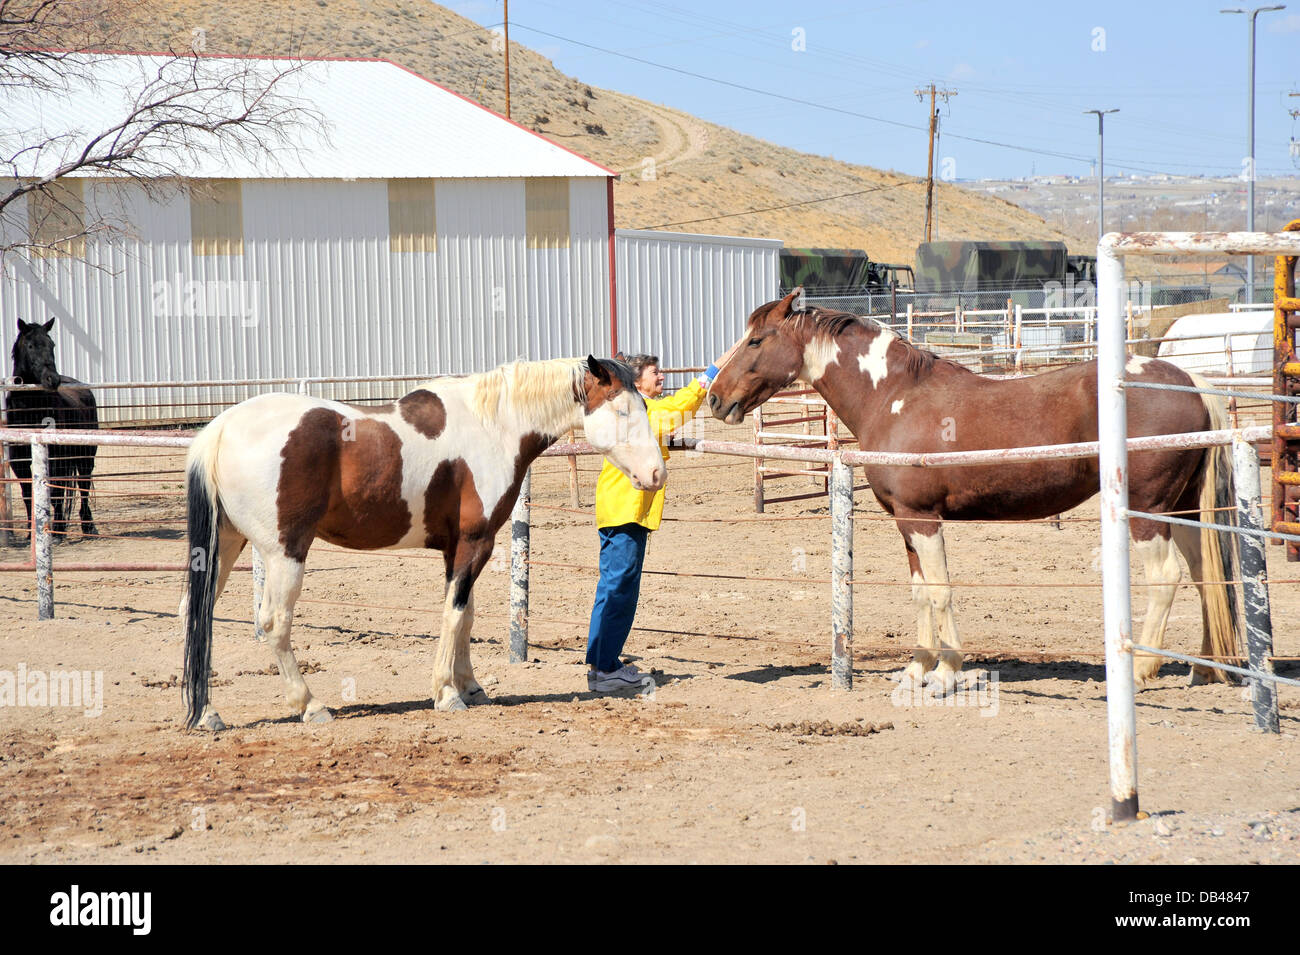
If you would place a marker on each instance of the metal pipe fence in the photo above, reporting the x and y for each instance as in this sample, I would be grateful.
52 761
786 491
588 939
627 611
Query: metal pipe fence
840 463
1112 415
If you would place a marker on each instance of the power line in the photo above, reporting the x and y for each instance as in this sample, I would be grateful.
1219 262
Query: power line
1086 160
788 205
797 100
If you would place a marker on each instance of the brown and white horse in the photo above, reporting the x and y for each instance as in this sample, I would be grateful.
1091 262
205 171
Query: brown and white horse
440 468
896 397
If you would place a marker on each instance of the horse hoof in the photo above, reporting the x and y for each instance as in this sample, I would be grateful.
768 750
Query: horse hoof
451 704
476 697
323 715
941 682
212 721
1204 675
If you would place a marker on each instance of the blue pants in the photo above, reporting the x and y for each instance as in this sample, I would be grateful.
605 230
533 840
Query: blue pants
622 552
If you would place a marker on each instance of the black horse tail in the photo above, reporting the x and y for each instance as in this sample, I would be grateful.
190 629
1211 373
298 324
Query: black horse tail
204 524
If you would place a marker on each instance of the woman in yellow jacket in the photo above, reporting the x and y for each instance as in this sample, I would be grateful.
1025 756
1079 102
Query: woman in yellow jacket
624 519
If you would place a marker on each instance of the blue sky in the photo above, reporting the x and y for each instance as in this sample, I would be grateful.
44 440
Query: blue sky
1023 72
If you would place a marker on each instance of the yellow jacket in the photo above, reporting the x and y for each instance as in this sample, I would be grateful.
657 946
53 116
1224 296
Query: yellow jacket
617 501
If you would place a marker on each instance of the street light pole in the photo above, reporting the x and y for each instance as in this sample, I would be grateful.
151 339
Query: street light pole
1250 140
1101 169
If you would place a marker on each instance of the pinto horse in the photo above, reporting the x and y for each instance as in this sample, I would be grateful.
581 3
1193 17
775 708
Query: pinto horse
440 468
59 404
895 396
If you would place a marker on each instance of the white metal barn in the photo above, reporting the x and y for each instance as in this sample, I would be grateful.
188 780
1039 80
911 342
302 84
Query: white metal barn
415 233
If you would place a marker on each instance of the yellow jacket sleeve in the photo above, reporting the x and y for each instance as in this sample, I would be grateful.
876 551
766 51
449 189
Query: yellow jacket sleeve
617 501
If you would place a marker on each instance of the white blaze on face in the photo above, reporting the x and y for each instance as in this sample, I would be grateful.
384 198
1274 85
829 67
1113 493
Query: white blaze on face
874 362
1136 364
620 429
818 354
896 407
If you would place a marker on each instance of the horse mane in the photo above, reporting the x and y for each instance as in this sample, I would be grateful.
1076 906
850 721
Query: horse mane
542 391
832 323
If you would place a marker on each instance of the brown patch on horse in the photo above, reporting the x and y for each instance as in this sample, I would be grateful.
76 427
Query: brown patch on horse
453 509
340 480
424 411
596 393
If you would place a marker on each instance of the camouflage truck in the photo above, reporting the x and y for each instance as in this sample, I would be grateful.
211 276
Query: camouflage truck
840 270
968 266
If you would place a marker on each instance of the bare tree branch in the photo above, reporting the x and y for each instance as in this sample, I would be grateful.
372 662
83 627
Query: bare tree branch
183 108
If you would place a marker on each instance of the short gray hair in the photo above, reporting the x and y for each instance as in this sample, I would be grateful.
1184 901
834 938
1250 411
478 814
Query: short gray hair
639 363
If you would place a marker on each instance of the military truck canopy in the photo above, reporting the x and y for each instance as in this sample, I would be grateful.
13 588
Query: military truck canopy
967 266
839 270
836 269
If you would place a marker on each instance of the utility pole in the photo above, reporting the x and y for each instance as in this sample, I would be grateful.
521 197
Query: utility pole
1250 141
1101 170
929 169
507 19
1295 143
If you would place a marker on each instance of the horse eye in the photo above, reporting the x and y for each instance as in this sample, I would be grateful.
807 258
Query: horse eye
755 342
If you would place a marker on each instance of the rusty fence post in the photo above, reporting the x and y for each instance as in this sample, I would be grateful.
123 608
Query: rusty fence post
519 540
42 541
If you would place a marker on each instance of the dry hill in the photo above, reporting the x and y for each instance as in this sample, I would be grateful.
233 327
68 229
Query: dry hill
701 170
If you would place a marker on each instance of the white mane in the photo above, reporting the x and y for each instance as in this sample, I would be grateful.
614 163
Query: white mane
543 393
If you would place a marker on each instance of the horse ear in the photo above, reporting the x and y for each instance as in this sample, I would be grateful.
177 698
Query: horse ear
598 370
22 326
784 307
48 325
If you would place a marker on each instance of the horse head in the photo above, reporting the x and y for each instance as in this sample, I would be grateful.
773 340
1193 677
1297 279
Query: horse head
33 355
761 364
615 422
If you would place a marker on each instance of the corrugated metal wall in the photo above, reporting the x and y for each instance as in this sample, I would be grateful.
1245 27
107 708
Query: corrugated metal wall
686 297
316 291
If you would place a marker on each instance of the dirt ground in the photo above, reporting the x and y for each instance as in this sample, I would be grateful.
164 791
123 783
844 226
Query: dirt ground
743 753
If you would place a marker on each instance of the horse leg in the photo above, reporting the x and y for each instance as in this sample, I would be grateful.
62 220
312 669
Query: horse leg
58 491
922 660
454 685
1162 573
925 538
470 691
88 528
279 594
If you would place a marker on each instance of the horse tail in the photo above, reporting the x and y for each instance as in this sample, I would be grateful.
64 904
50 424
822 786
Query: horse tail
1218 547
204 516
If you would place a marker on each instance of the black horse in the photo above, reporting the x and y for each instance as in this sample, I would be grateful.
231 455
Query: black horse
59 406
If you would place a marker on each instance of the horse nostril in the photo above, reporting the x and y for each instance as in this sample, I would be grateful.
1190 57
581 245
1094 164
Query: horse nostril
713 402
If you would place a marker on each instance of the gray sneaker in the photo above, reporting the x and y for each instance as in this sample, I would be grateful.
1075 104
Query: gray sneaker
626 677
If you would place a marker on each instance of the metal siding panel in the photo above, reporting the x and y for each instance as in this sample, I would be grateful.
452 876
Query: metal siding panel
688 295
